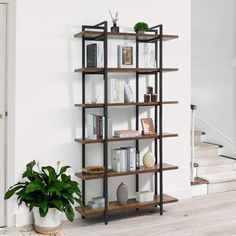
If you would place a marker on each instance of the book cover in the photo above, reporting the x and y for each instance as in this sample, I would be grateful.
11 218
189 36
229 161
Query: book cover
91 126
123 160
91 55
115 162
129 95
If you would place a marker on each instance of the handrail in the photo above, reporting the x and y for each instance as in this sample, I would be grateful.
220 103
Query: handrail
193 109
217 130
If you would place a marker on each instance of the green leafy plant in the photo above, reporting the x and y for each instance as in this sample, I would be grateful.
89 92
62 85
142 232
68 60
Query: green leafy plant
141 26
47 188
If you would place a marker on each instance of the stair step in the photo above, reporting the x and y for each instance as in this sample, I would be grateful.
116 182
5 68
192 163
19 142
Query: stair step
220 177
212 161
199 181
205 146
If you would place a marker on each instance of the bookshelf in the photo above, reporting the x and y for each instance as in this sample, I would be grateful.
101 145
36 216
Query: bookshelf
153 35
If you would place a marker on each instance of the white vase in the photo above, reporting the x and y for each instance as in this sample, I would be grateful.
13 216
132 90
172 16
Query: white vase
50 224
149 160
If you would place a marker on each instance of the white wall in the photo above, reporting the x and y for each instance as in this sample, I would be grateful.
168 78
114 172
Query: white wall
46 87
213 66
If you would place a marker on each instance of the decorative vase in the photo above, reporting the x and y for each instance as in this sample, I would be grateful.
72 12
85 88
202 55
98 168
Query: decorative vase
149 159
115 28
122 194
50 224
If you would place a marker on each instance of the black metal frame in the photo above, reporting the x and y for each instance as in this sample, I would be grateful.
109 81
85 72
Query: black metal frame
158 149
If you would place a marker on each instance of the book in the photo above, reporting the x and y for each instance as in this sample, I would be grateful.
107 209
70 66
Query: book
115 160
129 95
116 91
96 126
131 155
126 133
91 55
95 55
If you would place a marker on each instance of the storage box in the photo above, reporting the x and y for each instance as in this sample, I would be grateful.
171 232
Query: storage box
144 196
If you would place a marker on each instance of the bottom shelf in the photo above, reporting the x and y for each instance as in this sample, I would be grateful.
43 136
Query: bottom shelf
132 204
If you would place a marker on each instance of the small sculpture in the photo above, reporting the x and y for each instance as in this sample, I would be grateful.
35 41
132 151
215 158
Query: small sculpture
122 194
149 159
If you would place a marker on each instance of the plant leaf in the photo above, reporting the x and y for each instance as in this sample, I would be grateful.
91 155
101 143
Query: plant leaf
57 203
69 212
12 190
63 170
43 208
35 186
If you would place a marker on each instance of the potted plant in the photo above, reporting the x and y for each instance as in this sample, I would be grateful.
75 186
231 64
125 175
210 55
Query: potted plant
141 27
49 193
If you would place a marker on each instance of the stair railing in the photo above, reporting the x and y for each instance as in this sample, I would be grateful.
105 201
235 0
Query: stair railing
193 110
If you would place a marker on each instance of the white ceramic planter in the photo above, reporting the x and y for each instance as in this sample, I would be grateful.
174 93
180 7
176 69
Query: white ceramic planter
50 224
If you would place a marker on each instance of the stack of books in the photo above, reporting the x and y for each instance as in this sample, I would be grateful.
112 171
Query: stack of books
123 159
95 55
96 127
119 92
96 203
126 133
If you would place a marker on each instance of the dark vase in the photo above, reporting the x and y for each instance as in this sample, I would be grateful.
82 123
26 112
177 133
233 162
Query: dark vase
115 28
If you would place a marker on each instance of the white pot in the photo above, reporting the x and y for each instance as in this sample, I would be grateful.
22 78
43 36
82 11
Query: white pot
50 224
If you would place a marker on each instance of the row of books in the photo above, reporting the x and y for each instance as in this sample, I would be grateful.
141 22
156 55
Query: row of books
123 159
120 92
96 127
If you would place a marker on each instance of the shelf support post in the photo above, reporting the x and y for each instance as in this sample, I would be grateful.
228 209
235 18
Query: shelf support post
83 114
105 145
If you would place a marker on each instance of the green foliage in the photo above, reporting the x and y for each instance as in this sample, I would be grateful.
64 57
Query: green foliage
141 26
46 189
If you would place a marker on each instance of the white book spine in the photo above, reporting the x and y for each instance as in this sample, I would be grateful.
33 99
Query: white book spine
123 160
116 160
91 126
132 156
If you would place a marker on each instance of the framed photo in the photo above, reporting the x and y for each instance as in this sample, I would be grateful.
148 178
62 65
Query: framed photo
148 127
125 56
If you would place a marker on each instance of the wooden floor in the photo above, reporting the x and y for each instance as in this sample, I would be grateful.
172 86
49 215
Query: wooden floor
212 215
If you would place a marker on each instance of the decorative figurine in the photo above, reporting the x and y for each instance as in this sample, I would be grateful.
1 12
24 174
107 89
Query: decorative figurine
122 194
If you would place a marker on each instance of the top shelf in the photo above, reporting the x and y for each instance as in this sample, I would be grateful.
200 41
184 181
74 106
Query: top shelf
93 35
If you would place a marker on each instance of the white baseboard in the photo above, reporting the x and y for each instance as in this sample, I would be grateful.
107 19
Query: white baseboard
23 218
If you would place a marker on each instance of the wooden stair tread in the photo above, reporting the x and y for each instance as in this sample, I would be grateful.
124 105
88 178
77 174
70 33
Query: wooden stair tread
156 168
132 204
199 181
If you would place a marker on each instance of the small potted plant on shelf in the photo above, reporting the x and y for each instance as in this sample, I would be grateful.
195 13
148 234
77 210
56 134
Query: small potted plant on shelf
141 27
49 193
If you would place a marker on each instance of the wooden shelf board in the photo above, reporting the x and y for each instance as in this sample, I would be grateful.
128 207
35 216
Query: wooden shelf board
124 35
132 204
114 139
124 70
98 105
142 170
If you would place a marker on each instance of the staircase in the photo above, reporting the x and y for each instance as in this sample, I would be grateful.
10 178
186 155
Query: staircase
212 170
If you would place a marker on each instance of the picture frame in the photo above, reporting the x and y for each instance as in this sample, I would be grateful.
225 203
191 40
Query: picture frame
148 127
125 57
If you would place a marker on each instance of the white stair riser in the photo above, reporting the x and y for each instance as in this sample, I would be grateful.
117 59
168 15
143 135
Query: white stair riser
206 152
214 169
221 187
197 139
199 190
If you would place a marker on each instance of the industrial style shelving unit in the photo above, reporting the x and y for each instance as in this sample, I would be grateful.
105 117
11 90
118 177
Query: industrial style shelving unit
154 35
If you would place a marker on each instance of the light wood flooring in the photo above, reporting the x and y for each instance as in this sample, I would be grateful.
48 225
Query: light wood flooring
211 215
